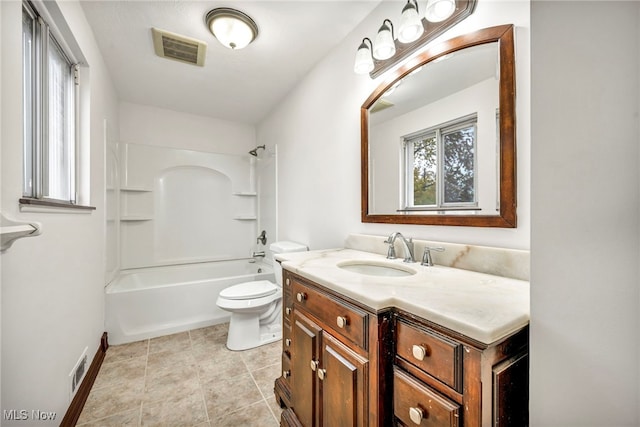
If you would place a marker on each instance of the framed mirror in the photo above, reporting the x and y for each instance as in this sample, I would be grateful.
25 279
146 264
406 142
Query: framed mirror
438 137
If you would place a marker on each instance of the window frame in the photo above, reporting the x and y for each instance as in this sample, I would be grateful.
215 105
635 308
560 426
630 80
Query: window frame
437 131
36 187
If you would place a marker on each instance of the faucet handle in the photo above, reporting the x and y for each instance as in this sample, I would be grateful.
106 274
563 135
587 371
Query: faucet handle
391 252
426 257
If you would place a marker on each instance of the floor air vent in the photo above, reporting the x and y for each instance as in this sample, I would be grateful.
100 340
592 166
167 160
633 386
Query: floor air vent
77 373
179 48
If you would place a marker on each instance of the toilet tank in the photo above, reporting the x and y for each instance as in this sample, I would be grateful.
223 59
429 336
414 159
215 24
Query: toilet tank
283 248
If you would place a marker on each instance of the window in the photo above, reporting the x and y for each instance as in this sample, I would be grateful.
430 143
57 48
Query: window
440 166
50 100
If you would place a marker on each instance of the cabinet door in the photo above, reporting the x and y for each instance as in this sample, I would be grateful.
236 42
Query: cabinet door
344 385
305 346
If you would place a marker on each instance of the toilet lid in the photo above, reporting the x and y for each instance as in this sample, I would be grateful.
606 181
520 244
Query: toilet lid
249 290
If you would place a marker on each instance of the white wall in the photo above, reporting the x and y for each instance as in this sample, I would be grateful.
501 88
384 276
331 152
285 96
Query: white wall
317 129
585 214
52 285
141 124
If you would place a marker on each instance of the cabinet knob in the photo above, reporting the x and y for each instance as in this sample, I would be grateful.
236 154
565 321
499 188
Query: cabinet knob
286 374
287 282
322 373
300 296
288 311
416 415
419 352
342 321
287 342
314 364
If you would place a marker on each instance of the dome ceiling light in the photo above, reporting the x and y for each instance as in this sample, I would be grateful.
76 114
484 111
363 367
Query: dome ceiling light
232 28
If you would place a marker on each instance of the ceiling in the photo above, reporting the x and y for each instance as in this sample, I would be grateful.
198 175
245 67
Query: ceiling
241 85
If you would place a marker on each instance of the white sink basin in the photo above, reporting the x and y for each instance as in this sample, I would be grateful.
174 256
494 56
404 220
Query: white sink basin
377 268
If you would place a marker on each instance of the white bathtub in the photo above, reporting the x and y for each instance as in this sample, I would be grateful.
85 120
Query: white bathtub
149 302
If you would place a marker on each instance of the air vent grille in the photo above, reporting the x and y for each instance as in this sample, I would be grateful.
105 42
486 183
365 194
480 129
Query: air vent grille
381 105
179 48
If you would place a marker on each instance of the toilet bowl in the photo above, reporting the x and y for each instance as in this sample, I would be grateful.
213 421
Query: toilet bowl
256 307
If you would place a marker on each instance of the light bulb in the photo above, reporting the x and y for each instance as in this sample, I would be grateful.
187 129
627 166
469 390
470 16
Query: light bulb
439 10
364 61
410 24
384 47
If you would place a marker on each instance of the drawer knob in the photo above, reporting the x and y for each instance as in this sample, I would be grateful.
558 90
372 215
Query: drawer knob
416 415
300 296
314 364
322 373
287 342
288 282
419 352
286 374
288 311
342 321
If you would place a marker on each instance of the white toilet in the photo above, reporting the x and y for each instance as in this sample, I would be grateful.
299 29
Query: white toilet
256 307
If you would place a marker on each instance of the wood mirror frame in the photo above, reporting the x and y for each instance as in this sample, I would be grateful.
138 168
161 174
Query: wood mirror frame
506 216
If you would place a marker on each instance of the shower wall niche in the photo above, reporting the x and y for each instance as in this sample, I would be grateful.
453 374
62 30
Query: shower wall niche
180 206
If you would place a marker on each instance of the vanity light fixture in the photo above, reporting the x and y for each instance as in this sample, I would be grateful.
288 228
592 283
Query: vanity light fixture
385 47
232 28
364 60
413 32
410 24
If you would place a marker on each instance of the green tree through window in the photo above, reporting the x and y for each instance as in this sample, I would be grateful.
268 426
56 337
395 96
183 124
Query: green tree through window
441 164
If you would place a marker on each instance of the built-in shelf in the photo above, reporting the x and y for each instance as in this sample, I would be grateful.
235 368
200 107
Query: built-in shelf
136 218
246 193
136 189
245 218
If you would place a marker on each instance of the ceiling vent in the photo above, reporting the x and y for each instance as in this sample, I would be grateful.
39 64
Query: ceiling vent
179 48
380 105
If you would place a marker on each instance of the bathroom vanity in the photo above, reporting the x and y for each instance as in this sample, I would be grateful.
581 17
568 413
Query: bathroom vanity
374 342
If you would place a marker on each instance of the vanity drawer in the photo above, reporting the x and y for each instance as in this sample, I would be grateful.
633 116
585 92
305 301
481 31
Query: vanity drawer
346 320
417 405
435 354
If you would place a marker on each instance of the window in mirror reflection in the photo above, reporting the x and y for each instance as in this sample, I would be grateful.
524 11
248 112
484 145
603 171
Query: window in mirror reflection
440 166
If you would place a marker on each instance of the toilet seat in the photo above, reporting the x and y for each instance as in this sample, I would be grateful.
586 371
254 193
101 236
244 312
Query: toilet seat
249 290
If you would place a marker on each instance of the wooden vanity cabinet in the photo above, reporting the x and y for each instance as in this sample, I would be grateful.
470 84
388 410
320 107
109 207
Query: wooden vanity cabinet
346 366
445 379
334 355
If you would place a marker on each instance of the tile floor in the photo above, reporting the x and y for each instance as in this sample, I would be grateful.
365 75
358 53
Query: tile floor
185 379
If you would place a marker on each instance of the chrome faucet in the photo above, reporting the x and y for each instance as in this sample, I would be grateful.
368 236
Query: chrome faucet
408 247
426 257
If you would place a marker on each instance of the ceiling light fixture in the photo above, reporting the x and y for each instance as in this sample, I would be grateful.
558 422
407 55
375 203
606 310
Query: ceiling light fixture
413 33
232 28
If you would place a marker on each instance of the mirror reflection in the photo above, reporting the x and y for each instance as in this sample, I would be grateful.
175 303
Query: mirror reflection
434 134
438 140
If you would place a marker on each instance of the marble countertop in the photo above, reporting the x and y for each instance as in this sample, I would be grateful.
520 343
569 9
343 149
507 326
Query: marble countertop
481 306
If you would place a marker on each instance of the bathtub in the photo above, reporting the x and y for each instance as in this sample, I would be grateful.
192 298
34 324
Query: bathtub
149 302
